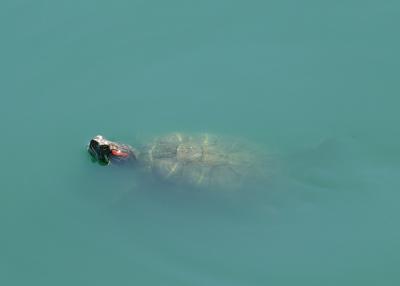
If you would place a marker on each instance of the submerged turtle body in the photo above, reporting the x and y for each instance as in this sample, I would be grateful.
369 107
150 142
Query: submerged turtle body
199 160
202 160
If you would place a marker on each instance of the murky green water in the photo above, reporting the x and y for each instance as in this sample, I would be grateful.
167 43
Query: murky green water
315 84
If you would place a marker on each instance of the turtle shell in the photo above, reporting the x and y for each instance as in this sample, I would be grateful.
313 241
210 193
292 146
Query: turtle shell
199 160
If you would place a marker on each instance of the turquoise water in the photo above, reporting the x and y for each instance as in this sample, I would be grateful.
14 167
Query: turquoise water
315 84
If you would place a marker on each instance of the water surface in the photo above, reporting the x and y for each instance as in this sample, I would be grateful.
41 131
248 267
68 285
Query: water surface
315 84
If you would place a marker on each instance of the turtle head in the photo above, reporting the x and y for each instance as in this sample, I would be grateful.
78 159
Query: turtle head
105 151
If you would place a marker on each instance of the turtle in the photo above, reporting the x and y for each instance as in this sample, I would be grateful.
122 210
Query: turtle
199 160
